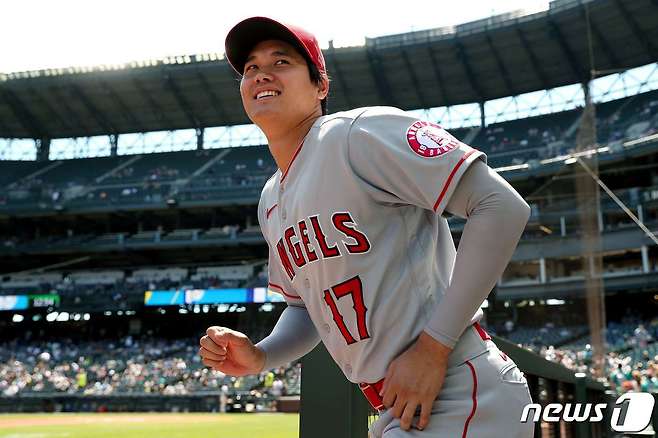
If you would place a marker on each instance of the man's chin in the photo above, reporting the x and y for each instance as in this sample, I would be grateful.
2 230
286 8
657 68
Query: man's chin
265 116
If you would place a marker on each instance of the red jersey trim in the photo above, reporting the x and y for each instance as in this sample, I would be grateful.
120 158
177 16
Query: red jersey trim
280 289
474 397
452 174
269 211
299 148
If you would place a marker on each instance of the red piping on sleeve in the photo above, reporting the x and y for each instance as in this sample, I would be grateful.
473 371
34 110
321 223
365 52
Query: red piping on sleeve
452 174
269 211
475 399
280 289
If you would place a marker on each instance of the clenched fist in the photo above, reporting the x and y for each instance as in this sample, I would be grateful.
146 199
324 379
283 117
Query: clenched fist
230 352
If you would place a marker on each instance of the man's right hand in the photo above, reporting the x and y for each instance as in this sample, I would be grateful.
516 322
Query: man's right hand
230 352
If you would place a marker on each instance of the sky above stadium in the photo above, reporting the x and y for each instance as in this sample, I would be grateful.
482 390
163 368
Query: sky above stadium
40 34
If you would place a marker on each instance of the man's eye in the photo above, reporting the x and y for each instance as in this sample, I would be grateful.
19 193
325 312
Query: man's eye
250 67
281 61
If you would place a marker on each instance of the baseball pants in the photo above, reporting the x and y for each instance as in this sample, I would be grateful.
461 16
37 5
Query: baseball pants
483 396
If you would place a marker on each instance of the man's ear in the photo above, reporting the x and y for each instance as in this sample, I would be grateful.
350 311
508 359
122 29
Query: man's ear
323 87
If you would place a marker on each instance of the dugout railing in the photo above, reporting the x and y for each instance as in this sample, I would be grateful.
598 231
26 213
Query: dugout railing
332 407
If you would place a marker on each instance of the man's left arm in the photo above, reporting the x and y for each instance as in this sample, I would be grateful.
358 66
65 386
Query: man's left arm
496 217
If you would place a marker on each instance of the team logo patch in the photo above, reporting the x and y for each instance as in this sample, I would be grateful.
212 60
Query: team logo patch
430 140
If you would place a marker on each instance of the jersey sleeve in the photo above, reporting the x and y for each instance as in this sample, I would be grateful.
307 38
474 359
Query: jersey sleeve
404 160
277 281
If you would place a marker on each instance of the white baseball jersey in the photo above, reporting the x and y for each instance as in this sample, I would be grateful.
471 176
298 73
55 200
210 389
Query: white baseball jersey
356 234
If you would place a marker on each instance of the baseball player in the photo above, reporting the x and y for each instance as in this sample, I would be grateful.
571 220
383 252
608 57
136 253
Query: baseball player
361 250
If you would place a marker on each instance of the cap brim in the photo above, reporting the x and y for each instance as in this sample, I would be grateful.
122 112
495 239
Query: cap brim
247 33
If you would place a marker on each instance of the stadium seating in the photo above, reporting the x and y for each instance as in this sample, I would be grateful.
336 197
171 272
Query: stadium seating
631 361
123 366
162 167
240 173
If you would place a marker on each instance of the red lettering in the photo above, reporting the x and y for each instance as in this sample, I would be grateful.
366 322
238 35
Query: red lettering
285 261
362 244
310 252
327 251
353 287
294 248
338 318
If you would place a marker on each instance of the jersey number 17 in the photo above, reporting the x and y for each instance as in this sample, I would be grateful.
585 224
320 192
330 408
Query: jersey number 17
352 287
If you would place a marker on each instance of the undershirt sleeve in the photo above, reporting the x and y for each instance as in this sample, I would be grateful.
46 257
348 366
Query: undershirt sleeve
496 216
292 337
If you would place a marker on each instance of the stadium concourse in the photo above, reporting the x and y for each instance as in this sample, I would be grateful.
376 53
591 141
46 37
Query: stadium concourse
124 235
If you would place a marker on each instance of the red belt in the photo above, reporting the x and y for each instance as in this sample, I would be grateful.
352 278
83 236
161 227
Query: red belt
371 390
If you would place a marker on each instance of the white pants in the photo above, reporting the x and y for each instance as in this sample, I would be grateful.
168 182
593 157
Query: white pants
482 397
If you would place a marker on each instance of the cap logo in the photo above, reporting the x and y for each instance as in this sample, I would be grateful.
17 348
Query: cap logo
430 140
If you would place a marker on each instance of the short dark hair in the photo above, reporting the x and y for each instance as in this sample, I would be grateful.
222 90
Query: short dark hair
317 78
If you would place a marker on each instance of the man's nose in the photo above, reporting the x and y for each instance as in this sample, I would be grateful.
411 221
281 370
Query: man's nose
262 76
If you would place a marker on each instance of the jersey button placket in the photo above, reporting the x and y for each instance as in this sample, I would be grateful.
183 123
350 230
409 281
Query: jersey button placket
282 208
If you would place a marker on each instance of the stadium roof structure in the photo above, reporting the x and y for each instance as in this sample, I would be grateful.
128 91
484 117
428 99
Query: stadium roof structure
500 56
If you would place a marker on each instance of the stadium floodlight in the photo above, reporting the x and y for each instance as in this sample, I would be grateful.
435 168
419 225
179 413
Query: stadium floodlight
63 317
554 302
17 318
267 307
51 316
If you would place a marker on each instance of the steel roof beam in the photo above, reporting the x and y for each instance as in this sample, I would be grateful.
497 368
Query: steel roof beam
214 100
637 32
533 58
342 83
91 108
170 83
149 99
62 100
577 69
45 104
501 66
470 75
377 71
3 127
437 73
609 53
125 109
24 116
414 78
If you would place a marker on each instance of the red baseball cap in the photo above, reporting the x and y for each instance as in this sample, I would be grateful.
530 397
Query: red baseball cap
247 33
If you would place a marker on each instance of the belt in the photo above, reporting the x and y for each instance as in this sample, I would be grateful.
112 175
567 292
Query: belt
371 390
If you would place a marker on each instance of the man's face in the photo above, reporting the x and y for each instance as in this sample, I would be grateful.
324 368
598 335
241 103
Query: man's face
276 86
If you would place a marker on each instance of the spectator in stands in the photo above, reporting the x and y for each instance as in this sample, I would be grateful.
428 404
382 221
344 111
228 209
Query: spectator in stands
641 336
